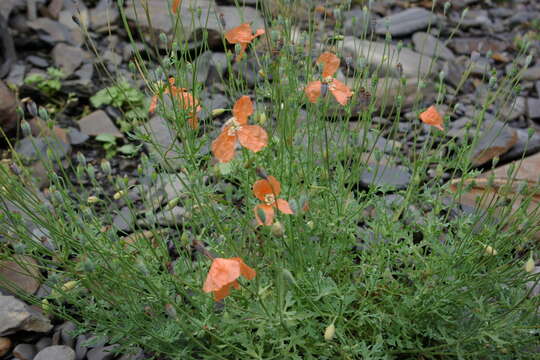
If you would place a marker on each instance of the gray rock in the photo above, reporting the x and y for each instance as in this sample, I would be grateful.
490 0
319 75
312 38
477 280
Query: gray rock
67 58
384 175
68 328
111 57
202 66
513 110
16 316
194 15
429 45
524 146
384 58
54 32
76 137
163 146
474 18
137 354
8 105
21 272
495 139
174 216
465 46
16 75
166 188
43 343
25 351
102 17
209 103
101 353
98 123
234 16
56 352
37 61
7 5
357 23
124 220
35 148
533 108
531 74
405 22
80 349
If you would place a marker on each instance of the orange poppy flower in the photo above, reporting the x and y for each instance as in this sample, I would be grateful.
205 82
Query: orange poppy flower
176 6
252 137
432 117
242 35
185 99
267 190
223 275
341 92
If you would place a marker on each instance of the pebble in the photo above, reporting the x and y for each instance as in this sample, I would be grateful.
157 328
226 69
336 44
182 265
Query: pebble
25 351
66 334
98 123
101 353
395 177
21 272
405 22
37 61
56 352
533 108
429 45
494 140
164 147
43 343
15 316
5 346
67 58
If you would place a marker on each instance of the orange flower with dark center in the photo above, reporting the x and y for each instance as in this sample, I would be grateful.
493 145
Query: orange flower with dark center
242 35
185 100
267 190
176 6
341 92
236 130
223 275
432 117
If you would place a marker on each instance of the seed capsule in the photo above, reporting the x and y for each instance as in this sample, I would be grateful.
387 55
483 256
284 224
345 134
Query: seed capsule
329 332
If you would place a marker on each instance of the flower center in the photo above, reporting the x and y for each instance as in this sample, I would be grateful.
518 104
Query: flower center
327 80
234 126
269 199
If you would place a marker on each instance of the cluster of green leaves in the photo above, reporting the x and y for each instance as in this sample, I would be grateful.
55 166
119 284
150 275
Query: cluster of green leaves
49 83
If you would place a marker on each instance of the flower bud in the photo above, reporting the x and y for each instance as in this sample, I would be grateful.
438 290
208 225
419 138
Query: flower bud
277 229
25 128
31 107
92 199
490 250
43 113
529 265
70 285
217 112
120 194
329 332
310 224
106 167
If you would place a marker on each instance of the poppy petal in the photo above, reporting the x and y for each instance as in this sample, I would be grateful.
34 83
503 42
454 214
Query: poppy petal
252 137
313 91
268 214
258 33
242 109
283 206
222 272
331 64
240 34
432 117
222 293
341 92
268 186
193 121
223 146
176 6
245 270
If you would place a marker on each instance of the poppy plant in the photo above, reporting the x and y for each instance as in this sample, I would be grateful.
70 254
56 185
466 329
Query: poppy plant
185 99
341 92
267 190
432 117
236 129
242 35
223 275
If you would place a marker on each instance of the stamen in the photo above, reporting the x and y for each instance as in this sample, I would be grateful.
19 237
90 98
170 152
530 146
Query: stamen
269 199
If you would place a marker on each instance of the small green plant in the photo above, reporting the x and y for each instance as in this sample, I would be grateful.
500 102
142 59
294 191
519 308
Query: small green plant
111 147
121 95
49 83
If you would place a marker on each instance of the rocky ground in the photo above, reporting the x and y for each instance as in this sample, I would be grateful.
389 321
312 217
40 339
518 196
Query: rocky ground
39 34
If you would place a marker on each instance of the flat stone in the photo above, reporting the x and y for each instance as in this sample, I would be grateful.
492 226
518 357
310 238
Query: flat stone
163 146
98 123
124 220
524 146
102 17
67 58
35 148
37 61
174 216
25 351
76 137
15 316
384 175
513 110
235 16
66 334
43 343
495 139
533 108
465 46
22 272
7 5
56 352
16 75
54 32
474 18
384 58
194 15
137 354
429 45
101 353
405 22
